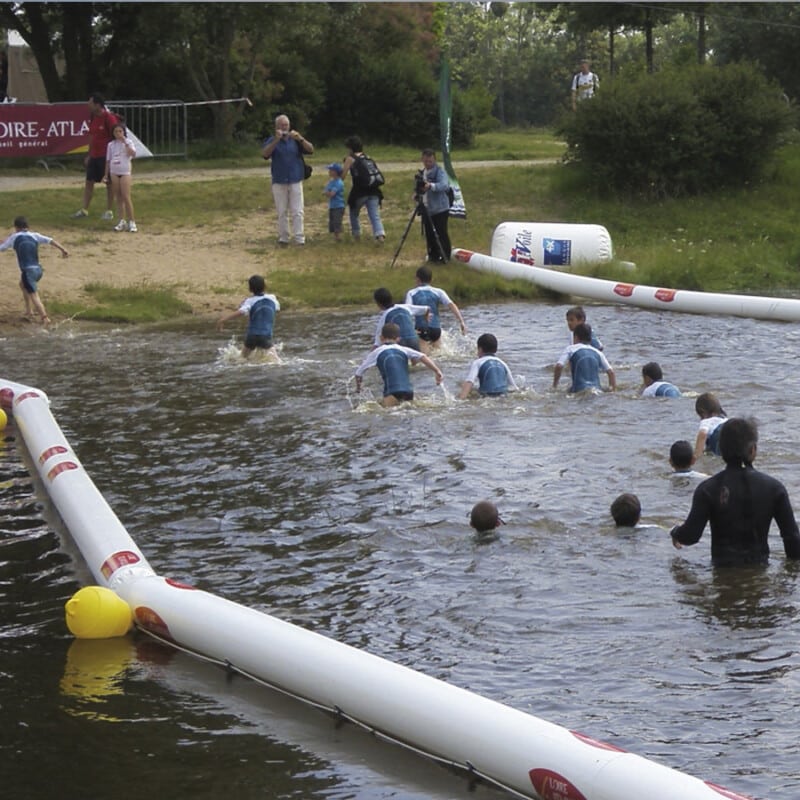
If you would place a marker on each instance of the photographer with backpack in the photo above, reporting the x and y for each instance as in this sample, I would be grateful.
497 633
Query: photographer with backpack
366 190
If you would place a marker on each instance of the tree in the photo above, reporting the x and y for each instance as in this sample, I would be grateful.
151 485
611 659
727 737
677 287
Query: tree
45 27
676 133
766 33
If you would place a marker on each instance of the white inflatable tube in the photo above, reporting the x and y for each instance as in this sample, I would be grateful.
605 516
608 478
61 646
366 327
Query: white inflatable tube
519 752
551 244
736 305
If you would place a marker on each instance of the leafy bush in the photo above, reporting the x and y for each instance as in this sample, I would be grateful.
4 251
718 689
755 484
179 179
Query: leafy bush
678 132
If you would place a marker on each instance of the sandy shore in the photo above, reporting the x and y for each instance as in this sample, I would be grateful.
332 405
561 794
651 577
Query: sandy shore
198 263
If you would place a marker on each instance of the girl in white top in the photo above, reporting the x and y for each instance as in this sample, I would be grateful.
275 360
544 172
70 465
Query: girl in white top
119 153
712 418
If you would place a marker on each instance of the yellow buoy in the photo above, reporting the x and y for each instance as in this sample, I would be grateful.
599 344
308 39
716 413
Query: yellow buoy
3 419
95 612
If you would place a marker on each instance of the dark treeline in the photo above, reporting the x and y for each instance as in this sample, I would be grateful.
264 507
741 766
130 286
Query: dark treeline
336 68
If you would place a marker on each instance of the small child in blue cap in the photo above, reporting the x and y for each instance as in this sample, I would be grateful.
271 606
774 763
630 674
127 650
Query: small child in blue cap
334 191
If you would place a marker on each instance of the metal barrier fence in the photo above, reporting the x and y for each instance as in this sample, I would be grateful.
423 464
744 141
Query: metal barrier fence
160 124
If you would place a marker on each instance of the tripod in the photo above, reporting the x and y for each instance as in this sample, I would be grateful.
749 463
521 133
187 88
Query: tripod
422 212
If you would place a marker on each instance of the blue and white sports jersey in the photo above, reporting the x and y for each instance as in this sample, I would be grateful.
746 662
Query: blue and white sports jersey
713 428
661 389
392 362
26 246
586 364
491 376
432 297
261 309
403 316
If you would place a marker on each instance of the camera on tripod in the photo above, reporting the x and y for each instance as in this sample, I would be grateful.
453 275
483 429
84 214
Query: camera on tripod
419 184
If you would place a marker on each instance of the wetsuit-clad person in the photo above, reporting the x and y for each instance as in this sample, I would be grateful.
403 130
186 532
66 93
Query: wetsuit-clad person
740 503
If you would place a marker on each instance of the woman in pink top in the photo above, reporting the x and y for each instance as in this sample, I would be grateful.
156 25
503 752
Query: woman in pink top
119 153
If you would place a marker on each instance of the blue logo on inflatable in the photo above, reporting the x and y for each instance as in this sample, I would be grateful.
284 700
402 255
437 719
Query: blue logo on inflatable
557 252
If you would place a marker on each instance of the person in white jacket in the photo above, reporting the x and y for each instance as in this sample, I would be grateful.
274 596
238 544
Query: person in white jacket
119 153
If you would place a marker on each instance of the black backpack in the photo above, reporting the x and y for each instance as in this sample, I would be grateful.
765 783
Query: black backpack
366 173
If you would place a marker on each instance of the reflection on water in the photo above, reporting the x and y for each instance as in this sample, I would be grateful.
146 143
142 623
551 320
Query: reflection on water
279 488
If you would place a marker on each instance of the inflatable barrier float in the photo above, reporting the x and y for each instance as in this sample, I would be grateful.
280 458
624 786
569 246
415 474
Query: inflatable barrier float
736 305
556 245
510 749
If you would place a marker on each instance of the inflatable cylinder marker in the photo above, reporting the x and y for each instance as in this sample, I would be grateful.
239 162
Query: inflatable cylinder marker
736 305
551 244
518 751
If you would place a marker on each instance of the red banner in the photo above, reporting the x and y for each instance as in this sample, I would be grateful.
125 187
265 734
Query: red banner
43 129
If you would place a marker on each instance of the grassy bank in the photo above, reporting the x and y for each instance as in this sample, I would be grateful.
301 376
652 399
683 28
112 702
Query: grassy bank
743 241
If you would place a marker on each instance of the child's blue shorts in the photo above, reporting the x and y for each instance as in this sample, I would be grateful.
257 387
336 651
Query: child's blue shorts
30 277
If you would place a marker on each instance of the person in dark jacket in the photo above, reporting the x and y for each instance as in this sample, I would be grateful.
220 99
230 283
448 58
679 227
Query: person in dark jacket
740 504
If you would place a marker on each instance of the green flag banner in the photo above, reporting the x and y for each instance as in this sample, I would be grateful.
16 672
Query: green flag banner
458 209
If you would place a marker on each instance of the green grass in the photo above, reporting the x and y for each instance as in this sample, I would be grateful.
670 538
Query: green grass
132 304
512 144
744 240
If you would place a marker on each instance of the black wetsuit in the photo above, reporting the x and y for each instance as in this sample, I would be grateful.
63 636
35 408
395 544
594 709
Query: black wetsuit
740 503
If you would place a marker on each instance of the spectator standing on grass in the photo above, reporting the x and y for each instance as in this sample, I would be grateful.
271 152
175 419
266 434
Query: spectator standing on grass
584 84
101 132
119 153
361 194
285 150
436 199
334 191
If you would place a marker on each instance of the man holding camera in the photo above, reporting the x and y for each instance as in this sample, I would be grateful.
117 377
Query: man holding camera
285 150
431 189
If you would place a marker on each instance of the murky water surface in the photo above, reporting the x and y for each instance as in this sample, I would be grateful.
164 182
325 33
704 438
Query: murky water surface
273 487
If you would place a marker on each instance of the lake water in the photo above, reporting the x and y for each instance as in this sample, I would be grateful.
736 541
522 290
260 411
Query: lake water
272 486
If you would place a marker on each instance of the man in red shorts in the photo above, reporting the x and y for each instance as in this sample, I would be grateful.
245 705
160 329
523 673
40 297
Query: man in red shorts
101 127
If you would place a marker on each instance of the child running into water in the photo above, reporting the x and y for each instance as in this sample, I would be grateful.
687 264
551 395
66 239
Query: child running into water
260 309
653 383
740 503
334 191
119 152
401 315
585 362
576 316
391 358
430 328
712 418
26 245
489 373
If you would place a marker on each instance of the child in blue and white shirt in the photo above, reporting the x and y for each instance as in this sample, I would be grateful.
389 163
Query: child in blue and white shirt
26 246
488 373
